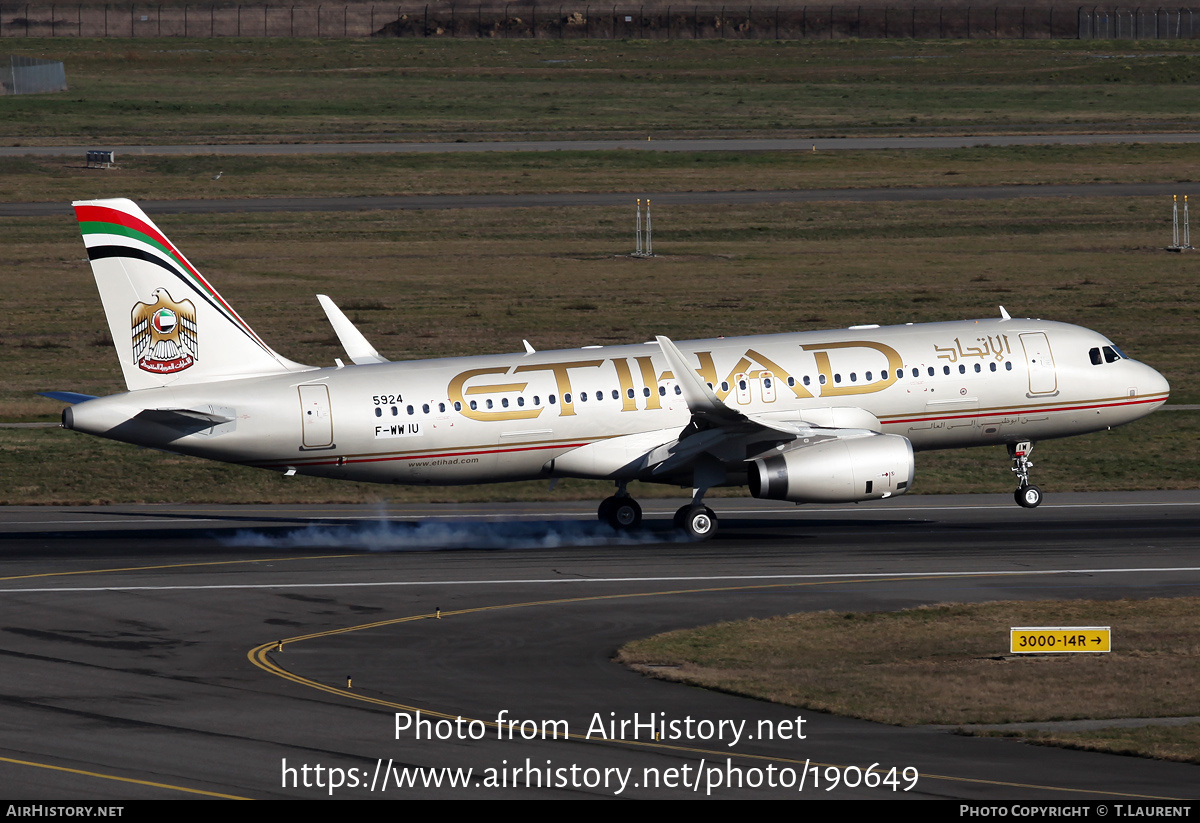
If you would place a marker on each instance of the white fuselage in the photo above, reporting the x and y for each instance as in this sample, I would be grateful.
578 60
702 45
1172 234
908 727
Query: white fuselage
505 417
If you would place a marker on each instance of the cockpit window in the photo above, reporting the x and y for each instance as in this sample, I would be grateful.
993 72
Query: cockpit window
1105 354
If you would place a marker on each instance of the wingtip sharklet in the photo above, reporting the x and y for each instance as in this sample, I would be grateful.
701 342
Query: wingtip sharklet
357 348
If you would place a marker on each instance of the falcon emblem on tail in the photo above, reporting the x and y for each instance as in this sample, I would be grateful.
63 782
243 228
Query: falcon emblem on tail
165 338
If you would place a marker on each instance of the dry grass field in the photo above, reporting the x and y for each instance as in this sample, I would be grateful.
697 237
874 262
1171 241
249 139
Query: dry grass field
949 664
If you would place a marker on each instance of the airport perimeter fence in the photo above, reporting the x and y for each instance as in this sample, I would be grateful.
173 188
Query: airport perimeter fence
599 22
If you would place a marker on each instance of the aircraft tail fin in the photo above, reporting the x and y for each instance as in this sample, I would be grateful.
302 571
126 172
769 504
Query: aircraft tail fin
169 325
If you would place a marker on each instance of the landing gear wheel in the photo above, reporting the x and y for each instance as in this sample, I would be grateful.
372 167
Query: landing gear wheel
604 513
699 522
680 514
1029 497
623 513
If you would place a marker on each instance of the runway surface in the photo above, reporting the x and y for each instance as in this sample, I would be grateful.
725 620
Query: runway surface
141 660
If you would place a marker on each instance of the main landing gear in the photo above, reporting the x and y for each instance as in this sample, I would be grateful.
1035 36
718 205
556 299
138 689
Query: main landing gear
697 520
622 512
1026 495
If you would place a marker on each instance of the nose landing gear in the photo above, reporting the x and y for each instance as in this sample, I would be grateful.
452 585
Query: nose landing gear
1026 495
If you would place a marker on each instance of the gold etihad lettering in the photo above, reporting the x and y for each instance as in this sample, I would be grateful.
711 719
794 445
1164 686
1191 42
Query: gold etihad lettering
455 392
646 366
823 367
998 348
562 379
652 379
625 381
708 371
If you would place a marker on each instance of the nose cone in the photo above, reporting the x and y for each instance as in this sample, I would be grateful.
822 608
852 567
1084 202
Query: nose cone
1151 384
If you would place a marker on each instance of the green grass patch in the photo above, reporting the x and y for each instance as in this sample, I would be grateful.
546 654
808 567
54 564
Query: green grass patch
949 664
1181 743
304 90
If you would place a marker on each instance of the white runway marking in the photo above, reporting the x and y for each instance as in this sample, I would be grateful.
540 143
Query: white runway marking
559 580
167 519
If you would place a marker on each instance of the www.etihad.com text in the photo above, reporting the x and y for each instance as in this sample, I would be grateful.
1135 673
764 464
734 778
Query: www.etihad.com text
704 777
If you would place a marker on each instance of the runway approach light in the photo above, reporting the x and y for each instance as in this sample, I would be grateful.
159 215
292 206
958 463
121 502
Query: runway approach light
643 243
1178 243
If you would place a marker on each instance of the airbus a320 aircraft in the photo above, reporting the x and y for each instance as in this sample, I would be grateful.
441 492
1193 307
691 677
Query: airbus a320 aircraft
812 417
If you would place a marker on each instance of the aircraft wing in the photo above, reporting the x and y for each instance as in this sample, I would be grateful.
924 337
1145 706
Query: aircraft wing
717 436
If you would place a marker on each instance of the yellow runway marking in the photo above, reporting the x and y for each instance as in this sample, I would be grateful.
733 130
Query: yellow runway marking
171 566
121 779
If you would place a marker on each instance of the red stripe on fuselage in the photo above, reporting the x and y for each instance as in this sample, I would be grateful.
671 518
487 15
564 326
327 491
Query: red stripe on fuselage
347 461
1033 410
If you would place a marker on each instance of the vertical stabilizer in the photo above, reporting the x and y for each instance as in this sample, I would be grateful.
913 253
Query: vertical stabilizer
169 325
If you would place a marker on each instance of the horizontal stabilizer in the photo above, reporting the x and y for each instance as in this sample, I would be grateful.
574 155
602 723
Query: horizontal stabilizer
356 346
175 416
67 396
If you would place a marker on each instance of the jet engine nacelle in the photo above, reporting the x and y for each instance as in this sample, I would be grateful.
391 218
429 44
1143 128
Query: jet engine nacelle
843 470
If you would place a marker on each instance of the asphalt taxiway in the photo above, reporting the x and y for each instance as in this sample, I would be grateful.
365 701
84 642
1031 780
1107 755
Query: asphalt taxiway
142 655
